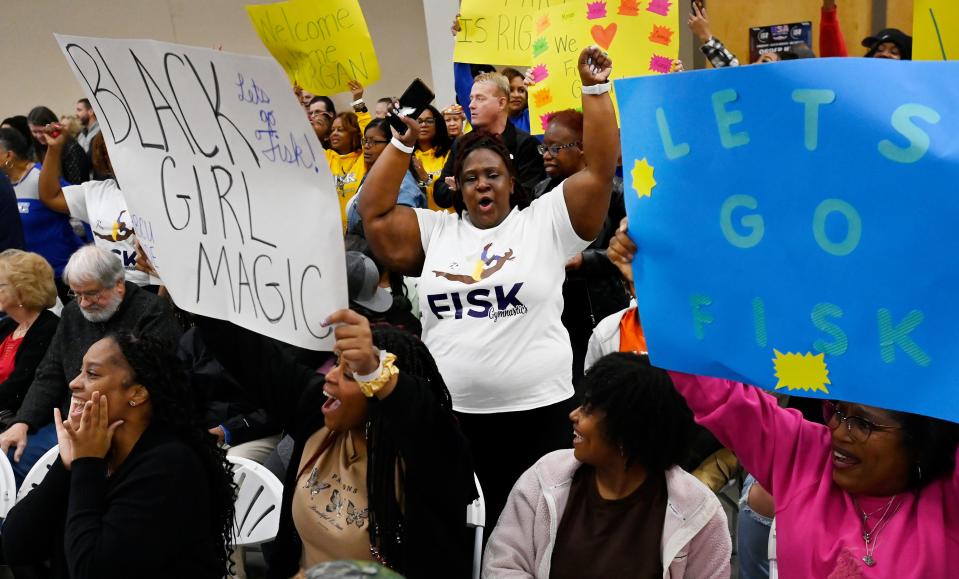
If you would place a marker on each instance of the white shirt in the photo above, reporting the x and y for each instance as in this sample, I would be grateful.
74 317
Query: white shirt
491 301
102 205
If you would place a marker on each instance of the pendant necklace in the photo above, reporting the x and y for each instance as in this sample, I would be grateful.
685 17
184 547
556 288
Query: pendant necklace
871 536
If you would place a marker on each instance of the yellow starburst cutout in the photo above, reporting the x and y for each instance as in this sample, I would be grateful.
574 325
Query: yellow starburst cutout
643 181
801 371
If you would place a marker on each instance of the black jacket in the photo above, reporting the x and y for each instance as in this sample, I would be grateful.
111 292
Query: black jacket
149 519
140 311
526 159
31 351
438 481
11 228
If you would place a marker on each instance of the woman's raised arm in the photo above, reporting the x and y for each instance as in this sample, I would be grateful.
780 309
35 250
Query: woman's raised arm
587 192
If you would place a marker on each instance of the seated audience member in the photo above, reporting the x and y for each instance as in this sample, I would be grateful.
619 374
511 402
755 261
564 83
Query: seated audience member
375 139
837 486
616 505
73 164
489 111
232 413
103 303
46 232
26 291
518 99
11 228
432 149
593 288
455 121
98 203
380 470
139 489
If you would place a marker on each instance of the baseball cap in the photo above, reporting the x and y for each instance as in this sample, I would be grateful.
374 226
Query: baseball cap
363 283
894 35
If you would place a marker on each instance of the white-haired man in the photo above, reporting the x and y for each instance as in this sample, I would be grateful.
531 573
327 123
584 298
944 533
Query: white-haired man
103 303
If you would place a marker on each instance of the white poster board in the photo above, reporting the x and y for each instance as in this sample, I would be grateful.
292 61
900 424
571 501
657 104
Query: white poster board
228 188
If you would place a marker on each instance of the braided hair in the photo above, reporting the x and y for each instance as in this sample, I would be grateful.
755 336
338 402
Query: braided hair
386 519
156 366
481 139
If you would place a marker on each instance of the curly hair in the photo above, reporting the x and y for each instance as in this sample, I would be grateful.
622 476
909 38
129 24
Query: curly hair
642 413
475 141
352 127
155 365
100 158
31 277
386 518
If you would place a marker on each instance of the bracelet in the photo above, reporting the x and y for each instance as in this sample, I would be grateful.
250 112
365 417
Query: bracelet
596 89
358 102
372 383
403 148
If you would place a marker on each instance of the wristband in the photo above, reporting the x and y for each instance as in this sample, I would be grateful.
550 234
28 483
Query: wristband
372 383
403 148
358 102
596 89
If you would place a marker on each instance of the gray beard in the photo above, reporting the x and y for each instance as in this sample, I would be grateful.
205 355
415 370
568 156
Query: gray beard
106 312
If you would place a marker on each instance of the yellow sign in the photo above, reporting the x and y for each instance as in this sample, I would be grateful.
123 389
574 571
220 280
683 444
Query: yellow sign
935 29
641 37
321 45
498 31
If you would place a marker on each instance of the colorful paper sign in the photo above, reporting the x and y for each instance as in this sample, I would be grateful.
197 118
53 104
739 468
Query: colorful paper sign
640 37
499 31
778 38
228 188
796 225
935 28
322 46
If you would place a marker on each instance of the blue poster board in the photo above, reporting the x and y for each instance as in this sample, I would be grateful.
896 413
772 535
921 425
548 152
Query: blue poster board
798 226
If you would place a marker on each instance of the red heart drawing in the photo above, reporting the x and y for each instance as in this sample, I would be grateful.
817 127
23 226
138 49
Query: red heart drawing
604 36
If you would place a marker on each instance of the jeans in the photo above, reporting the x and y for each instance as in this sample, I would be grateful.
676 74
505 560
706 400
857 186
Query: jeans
752 538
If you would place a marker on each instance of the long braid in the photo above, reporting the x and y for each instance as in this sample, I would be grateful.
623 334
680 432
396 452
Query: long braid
387 529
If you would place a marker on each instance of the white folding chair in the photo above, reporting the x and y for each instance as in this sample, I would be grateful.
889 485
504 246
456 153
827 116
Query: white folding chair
771 552
8 486
257 516
39 470
476 518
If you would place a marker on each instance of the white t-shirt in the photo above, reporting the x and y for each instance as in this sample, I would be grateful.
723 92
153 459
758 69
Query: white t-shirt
102 205
491 302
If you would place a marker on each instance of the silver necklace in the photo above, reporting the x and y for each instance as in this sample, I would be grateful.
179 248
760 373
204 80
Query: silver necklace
871 536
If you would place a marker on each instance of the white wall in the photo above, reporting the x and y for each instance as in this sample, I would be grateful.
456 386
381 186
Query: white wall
35 72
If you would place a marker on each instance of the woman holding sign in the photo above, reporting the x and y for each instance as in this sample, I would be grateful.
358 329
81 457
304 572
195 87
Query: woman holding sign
492 276
872 493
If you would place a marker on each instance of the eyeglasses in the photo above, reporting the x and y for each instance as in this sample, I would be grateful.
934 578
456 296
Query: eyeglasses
429 121
859 428
88 296
370 142
555 149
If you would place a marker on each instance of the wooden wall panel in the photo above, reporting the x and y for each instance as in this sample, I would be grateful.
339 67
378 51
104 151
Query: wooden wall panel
899 15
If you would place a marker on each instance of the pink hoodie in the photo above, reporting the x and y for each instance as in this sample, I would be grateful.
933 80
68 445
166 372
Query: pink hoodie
819 534
695 544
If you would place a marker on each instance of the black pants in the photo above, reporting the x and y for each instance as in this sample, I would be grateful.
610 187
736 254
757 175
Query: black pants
506 444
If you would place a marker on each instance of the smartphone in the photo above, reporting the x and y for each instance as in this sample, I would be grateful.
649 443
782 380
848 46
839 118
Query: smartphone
412 102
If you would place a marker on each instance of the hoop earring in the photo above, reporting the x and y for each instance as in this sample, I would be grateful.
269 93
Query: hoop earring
132 403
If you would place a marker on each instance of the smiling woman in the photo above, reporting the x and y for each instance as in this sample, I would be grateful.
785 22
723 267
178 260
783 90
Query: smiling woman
136 477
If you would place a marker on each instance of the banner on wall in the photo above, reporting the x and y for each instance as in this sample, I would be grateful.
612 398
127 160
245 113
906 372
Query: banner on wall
935 28
796 227
228 189
498 31
641 40
322 46
778 38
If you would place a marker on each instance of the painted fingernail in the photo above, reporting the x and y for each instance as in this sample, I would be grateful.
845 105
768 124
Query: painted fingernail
325 322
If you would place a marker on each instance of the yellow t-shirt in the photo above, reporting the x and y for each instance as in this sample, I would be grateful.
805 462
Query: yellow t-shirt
349 169
433 165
